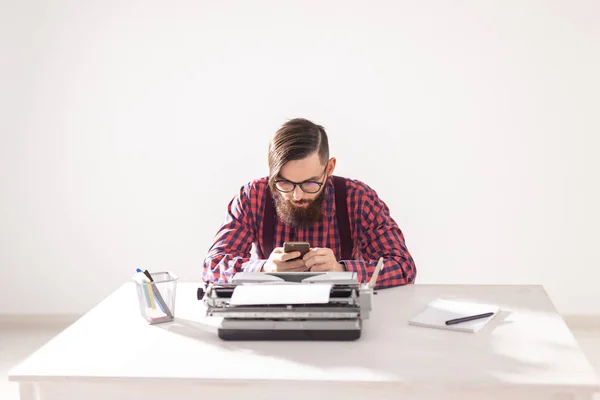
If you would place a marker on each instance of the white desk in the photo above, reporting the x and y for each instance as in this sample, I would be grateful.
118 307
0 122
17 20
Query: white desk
111 353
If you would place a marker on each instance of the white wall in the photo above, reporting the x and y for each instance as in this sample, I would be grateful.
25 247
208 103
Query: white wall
127 126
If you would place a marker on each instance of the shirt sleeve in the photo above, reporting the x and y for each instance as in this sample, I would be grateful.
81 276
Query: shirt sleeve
380 236
230 251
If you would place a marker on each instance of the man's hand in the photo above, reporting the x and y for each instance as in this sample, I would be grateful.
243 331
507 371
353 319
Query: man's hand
321 260
278 262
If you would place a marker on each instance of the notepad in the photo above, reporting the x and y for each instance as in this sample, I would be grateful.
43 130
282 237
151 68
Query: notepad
439 311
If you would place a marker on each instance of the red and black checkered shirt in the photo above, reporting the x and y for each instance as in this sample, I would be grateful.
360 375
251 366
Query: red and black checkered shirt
374 234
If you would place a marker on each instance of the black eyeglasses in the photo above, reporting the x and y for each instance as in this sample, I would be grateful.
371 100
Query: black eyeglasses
285 186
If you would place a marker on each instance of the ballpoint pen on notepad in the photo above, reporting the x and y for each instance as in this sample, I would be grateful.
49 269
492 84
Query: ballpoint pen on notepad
469 318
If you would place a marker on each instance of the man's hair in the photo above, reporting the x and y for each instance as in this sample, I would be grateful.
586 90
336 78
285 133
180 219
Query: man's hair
296 139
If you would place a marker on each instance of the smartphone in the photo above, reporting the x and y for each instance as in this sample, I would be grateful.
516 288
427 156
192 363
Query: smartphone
302 247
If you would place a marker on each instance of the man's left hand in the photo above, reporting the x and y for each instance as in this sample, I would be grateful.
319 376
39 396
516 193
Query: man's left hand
321 259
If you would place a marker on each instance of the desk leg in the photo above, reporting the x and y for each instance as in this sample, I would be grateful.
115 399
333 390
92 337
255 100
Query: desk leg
29 391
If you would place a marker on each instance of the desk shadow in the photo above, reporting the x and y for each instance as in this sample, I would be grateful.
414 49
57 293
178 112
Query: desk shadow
191 329
499 320
420 349
389 350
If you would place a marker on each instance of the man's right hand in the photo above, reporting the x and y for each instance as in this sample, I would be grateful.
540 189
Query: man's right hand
278 262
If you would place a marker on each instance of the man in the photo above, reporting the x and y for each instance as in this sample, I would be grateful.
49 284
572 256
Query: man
347 225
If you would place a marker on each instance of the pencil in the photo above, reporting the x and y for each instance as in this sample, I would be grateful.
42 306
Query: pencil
150 291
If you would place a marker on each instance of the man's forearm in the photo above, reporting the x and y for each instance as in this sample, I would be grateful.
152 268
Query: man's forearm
396 271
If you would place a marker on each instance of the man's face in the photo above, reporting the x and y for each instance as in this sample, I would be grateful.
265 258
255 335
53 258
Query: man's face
298 208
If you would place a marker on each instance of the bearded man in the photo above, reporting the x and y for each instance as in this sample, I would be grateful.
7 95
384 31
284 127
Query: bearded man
345 222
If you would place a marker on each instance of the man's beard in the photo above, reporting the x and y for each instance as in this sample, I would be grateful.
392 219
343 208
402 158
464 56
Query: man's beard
299 217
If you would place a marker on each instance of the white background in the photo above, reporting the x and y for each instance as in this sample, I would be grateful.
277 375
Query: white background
126 127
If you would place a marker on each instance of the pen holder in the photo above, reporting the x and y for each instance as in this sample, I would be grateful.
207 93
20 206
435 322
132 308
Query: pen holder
156 298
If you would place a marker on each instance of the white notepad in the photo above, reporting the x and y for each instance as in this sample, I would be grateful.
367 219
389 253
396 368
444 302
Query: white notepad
439 311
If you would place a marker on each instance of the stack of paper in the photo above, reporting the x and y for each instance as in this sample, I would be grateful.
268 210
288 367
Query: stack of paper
281 294
439 311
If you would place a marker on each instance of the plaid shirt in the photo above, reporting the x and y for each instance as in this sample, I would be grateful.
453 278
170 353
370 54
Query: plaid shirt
374 234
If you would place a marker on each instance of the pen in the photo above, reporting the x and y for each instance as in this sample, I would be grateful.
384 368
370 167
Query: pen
470 318
161 302
145 272
151 294
147 295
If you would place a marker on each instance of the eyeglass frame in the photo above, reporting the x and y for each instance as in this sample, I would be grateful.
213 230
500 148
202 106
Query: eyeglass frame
300 184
